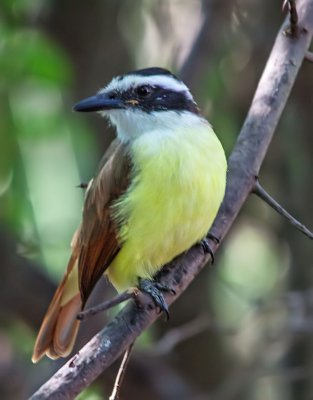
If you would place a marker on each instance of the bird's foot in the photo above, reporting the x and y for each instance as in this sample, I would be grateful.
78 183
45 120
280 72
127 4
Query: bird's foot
154 289
213 237
207 248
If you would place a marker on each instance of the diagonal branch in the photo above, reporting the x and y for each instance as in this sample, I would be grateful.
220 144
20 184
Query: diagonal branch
118 299
244 164
309 56
121 373
262 193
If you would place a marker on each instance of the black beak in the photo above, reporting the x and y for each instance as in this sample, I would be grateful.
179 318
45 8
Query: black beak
98 103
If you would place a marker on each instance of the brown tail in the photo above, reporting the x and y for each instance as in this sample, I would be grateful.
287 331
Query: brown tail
59 328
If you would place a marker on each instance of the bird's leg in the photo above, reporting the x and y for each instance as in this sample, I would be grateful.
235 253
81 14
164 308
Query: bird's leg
154 289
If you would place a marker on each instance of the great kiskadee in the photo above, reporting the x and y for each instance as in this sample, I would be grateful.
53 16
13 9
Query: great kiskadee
156 193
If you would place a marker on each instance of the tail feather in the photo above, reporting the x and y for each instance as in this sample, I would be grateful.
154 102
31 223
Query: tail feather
67 326
59 328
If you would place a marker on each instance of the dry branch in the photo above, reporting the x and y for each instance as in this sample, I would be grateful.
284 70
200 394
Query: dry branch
120 298
262 193
244 164
309 56
121 374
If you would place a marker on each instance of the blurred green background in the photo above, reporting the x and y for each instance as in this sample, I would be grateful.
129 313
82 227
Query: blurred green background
243 330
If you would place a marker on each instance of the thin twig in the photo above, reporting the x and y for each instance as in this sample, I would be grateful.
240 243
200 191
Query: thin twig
293 29
179 334
121 373
82 185
184 332
120 298
262 193
309 56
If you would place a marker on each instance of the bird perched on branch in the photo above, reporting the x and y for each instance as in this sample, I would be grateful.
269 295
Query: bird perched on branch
156 193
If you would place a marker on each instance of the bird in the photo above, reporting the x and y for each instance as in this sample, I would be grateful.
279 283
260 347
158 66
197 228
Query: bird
156 193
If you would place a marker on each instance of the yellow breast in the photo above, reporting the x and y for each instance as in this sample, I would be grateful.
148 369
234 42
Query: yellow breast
177 188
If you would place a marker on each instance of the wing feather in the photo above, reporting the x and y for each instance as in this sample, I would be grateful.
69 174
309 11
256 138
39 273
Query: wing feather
98 241
94 245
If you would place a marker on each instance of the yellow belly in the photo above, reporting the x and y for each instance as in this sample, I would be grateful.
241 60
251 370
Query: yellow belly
178 186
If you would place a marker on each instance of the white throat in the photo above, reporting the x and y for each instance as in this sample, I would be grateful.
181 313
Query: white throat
131 124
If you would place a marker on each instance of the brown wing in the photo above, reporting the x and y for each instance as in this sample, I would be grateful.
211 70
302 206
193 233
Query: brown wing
94 245
98 241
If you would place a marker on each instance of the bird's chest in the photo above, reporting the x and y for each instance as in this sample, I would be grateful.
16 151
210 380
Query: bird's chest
178 184
173 178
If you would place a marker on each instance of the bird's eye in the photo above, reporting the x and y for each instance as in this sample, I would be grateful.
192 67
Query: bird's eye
144 91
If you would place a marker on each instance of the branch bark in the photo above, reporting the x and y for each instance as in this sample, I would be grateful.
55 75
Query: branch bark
244 165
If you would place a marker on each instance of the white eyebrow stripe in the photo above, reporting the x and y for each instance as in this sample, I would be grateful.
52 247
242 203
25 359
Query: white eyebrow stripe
128 81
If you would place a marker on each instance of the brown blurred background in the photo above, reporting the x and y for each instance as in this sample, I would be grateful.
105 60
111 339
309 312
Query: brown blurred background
243 330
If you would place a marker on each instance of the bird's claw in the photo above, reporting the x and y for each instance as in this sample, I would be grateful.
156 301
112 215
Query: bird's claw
210 236
207 248
154 289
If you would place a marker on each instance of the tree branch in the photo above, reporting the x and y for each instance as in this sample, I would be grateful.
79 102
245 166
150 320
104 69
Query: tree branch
120 298
262 193
309 56
244 164
121 373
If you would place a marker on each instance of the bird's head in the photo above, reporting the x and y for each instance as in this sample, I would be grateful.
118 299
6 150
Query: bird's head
143 100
